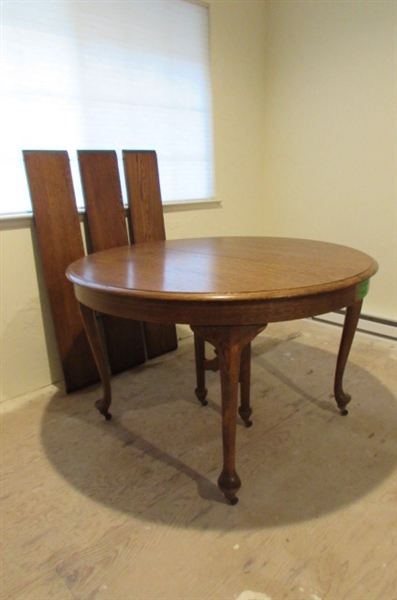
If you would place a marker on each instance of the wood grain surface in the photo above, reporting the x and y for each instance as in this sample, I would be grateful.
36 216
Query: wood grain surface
225 268
60 242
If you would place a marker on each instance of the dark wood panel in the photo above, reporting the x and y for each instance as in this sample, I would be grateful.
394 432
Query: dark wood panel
147 225
103 200
60 242
107 228
144 195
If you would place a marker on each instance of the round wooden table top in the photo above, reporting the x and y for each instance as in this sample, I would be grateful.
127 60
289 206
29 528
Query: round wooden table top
224 271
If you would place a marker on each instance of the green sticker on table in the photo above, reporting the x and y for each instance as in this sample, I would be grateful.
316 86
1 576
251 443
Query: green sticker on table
363 289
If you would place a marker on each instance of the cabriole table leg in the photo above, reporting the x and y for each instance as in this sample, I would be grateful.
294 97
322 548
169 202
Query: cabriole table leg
91 328
245 410
199 353
349 329
229 343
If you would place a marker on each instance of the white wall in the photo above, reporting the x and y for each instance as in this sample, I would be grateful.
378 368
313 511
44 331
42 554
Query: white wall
29 358
331 106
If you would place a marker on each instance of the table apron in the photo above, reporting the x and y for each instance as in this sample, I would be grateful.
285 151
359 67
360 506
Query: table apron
215 312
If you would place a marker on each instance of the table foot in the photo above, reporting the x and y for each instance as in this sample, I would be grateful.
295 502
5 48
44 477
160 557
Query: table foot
349 329
201 395
342 400
229 484
99 404
245 416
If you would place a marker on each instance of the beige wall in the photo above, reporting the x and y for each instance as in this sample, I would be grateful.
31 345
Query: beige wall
29 355
304 125
331 105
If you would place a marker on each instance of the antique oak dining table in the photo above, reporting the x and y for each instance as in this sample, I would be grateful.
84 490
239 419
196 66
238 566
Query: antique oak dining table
227 289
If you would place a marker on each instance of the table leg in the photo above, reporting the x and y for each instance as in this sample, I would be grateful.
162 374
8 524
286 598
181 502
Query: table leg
245 410
229 343
199 353
91 328
349 329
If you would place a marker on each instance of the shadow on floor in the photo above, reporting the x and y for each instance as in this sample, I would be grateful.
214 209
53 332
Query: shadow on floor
160 456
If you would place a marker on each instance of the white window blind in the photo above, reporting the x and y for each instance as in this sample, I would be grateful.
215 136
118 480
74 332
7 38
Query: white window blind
110 75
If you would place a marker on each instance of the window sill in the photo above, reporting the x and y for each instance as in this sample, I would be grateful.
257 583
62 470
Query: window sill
182 205
24 220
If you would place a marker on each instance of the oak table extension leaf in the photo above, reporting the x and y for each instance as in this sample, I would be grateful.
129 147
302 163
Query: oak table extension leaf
227 289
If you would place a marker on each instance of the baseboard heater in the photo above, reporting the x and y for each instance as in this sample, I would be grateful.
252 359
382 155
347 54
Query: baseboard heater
367 324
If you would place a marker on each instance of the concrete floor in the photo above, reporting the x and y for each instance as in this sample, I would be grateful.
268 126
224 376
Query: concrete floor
130 509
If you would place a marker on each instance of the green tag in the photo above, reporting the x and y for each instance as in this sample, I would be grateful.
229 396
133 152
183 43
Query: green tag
363 289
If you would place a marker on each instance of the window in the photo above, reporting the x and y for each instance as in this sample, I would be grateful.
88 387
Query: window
112 75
